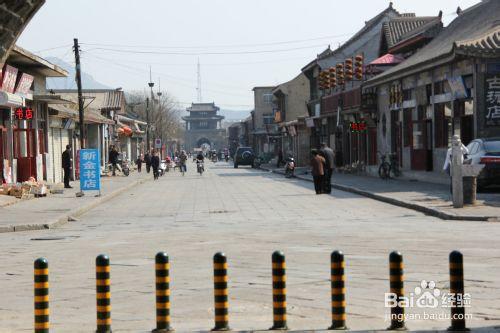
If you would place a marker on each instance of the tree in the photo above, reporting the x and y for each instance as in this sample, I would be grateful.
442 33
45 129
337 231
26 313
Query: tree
164 114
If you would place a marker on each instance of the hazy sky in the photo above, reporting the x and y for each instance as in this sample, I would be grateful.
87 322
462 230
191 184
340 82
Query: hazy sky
240 43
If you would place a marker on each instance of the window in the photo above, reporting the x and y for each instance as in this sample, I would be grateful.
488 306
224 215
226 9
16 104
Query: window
203 124
267 98
441 87
268 119
407 119
407 94
443 129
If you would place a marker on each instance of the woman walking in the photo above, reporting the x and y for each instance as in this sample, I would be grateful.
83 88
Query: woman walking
318 171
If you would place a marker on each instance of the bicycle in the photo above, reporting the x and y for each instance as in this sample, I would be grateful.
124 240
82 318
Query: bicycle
385 168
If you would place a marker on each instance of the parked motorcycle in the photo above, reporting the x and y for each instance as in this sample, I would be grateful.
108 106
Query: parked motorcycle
163 167
290 167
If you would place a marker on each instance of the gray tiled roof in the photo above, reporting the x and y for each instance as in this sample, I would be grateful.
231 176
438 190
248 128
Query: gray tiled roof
399 28
472 24
487 44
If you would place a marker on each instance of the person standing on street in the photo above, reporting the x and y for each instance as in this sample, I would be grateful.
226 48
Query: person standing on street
318 172
139 162
67 163
183 158
113 159
329 156
147 160
155 164
280 158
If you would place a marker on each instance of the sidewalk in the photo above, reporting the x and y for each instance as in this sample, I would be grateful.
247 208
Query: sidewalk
430 199
56 209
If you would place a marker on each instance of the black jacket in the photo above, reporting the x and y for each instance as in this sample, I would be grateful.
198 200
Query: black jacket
113 156
66 159
155 162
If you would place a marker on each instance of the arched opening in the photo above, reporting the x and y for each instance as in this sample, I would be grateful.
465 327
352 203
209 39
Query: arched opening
204 144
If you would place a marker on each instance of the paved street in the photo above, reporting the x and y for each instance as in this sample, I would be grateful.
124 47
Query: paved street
247 214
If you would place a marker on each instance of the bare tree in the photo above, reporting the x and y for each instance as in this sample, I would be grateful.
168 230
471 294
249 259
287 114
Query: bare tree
164 114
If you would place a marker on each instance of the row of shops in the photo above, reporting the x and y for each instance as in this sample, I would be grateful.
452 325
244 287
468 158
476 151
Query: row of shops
37 124
421 83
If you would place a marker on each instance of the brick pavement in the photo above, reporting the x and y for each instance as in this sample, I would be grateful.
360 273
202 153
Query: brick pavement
247 214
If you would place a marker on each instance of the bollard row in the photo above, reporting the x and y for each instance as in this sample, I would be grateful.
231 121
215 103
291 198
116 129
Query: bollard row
221 294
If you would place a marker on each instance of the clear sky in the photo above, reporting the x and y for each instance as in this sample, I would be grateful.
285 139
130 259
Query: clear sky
240 43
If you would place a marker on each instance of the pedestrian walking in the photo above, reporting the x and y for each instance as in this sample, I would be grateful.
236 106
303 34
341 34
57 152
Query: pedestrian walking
139 161
155 164
183 159
318 172
113 159
329 156
280 158
67 163
147 160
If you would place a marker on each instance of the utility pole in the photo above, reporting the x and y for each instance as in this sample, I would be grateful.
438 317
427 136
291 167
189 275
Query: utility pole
160 110
151 85
76 49
147 125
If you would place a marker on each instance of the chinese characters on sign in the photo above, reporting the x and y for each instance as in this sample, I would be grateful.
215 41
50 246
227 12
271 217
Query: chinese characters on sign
24 84
90 170
9 79
492 100
358 126
23 113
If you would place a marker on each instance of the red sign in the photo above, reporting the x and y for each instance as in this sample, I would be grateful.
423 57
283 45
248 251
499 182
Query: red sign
9 79
358 126
24 84
23 113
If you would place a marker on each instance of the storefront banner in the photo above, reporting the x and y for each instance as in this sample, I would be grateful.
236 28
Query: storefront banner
310 122
9 79
24 84
492 99
90 170
457 86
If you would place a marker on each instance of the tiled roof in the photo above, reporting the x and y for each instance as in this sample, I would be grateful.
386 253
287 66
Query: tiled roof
114 100
487 44
202 107
472 24
397 29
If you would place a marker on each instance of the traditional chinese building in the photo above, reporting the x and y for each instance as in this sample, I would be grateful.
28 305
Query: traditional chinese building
450 86
204 127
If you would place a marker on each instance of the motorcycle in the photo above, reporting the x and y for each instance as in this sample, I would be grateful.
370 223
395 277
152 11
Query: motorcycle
200 167
290 167
163 168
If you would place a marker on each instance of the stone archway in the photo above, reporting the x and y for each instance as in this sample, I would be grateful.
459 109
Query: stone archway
14 17
203 142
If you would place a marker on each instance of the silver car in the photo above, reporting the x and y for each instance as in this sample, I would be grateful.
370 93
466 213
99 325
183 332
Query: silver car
487 152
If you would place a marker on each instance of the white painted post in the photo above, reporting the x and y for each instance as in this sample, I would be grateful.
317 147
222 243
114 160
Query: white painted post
456 172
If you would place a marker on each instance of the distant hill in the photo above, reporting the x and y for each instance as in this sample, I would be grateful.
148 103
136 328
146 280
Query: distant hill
69 82
234 115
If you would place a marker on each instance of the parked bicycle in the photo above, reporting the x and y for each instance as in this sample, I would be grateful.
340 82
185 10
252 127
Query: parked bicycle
386 168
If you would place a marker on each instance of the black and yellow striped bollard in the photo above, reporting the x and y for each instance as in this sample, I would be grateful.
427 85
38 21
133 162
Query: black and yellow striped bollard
221 293
338 291
457 306
103 294
396 273
162 275
41 270
279 291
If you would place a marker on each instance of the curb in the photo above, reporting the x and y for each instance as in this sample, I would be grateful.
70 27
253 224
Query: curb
395 202
74 213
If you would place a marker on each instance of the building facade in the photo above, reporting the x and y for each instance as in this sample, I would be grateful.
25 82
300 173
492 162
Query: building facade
447 88
204 127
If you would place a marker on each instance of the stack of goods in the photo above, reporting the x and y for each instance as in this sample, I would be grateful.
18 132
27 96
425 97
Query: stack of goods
26 190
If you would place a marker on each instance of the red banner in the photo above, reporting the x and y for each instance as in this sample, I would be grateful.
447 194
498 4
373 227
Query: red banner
24 84
9 79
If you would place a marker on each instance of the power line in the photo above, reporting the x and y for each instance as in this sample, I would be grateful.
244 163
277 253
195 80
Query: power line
207 53
219 46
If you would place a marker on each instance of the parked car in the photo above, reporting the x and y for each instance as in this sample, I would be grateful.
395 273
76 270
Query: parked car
487 152
244 156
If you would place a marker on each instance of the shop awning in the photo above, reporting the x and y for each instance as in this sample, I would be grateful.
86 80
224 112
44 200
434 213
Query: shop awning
8 99
94 117
63 111
52 99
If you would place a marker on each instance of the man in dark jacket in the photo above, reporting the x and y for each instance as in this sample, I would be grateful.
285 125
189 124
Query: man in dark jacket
147 160
329 156
155 164
113 158
67 162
